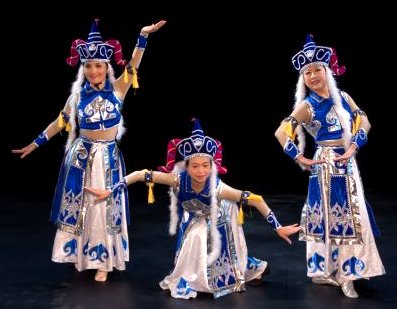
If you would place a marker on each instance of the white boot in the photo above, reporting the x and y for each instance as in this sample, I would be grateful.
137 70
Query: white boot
348 288
325 280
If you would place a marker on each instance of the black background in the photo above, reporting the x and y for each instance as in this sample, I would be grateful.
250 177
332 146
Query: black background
228 65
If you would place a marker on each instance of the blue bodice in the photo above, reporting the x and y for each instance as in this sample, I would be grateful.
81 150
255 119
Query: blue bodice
99 109
325 124
186 192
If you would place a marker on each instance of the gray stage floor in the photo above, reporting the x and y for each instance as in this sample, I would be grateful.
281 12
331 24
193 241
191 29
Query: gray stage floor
30 280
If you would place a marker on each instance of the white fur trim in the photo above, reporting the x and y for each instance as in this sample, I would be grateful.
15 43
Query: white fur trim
74 98
110 72
343 114
300 95
300 91
173 211
72 121
215 236
121 129
173 207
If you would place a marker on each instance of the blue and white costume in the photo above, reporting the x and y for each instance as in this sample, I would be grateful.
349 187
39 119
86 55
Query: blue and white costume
211 252
92 235
191 273
338 223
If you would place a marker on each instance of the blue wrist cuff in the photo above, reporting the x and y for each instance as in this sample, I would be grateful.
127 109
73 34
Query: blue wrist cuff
360 138
120 186
41 139
141 42
291 149
272 220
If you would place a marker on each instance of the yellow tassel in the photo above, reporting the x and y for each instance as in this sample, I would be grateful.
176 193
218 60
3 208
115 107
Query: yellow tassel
289 131
125 75
240 217
254 197
150 198
134 81
356 124
61 121
63 124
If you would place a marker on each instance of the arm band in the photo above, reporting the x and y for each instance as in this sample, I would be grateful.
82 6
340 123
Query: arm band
290 124
41 139
120 186
142 41
65 116
148 176
291 149
272 220
359 112
244 198
360 138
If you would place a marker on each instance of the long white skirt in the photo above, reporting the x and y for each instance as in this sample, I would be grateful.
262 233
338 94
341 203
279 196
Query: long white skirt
350 257
227 274
96 248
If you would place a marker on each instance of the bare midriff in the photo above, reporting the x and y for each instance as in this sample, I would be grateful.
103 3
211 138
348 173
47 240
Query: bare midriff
103 135
338 142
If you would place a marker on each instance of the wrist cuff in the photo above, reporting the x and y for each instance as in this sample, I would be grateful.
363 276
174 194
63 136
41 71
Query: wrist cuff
360 138
272 220
120 186
291 149
41 139
142 41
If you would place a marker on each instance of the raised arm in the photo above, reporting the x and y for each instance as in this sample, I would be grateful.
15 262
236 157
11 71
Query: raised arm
257 201
52 129
123 83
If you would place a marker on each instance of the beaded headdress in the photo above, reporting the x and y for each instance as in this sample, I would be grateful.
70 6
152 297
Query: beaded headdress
95 49
197 144
313 54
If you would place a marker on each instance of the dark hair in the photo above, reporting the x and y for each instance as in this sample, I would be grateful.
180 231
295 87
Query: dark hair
188 160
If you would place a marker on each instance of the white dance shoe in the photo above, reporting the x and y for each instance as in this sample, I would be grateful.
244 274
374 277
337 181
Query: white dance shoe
325 280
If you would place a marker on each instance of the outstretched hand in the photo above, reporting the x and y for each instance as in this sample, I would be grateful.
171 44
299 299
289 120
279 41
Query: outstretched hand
100 194
153 27
25 150
288 230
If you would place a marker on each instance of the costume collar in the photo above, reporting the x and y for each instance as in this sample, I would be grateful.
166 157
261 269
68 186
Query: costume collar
317 97
107 88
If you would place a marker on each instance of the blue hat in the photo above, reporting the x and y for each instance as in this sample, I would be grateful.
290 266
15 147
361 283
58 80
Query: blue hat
197 144
311 54
95 49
